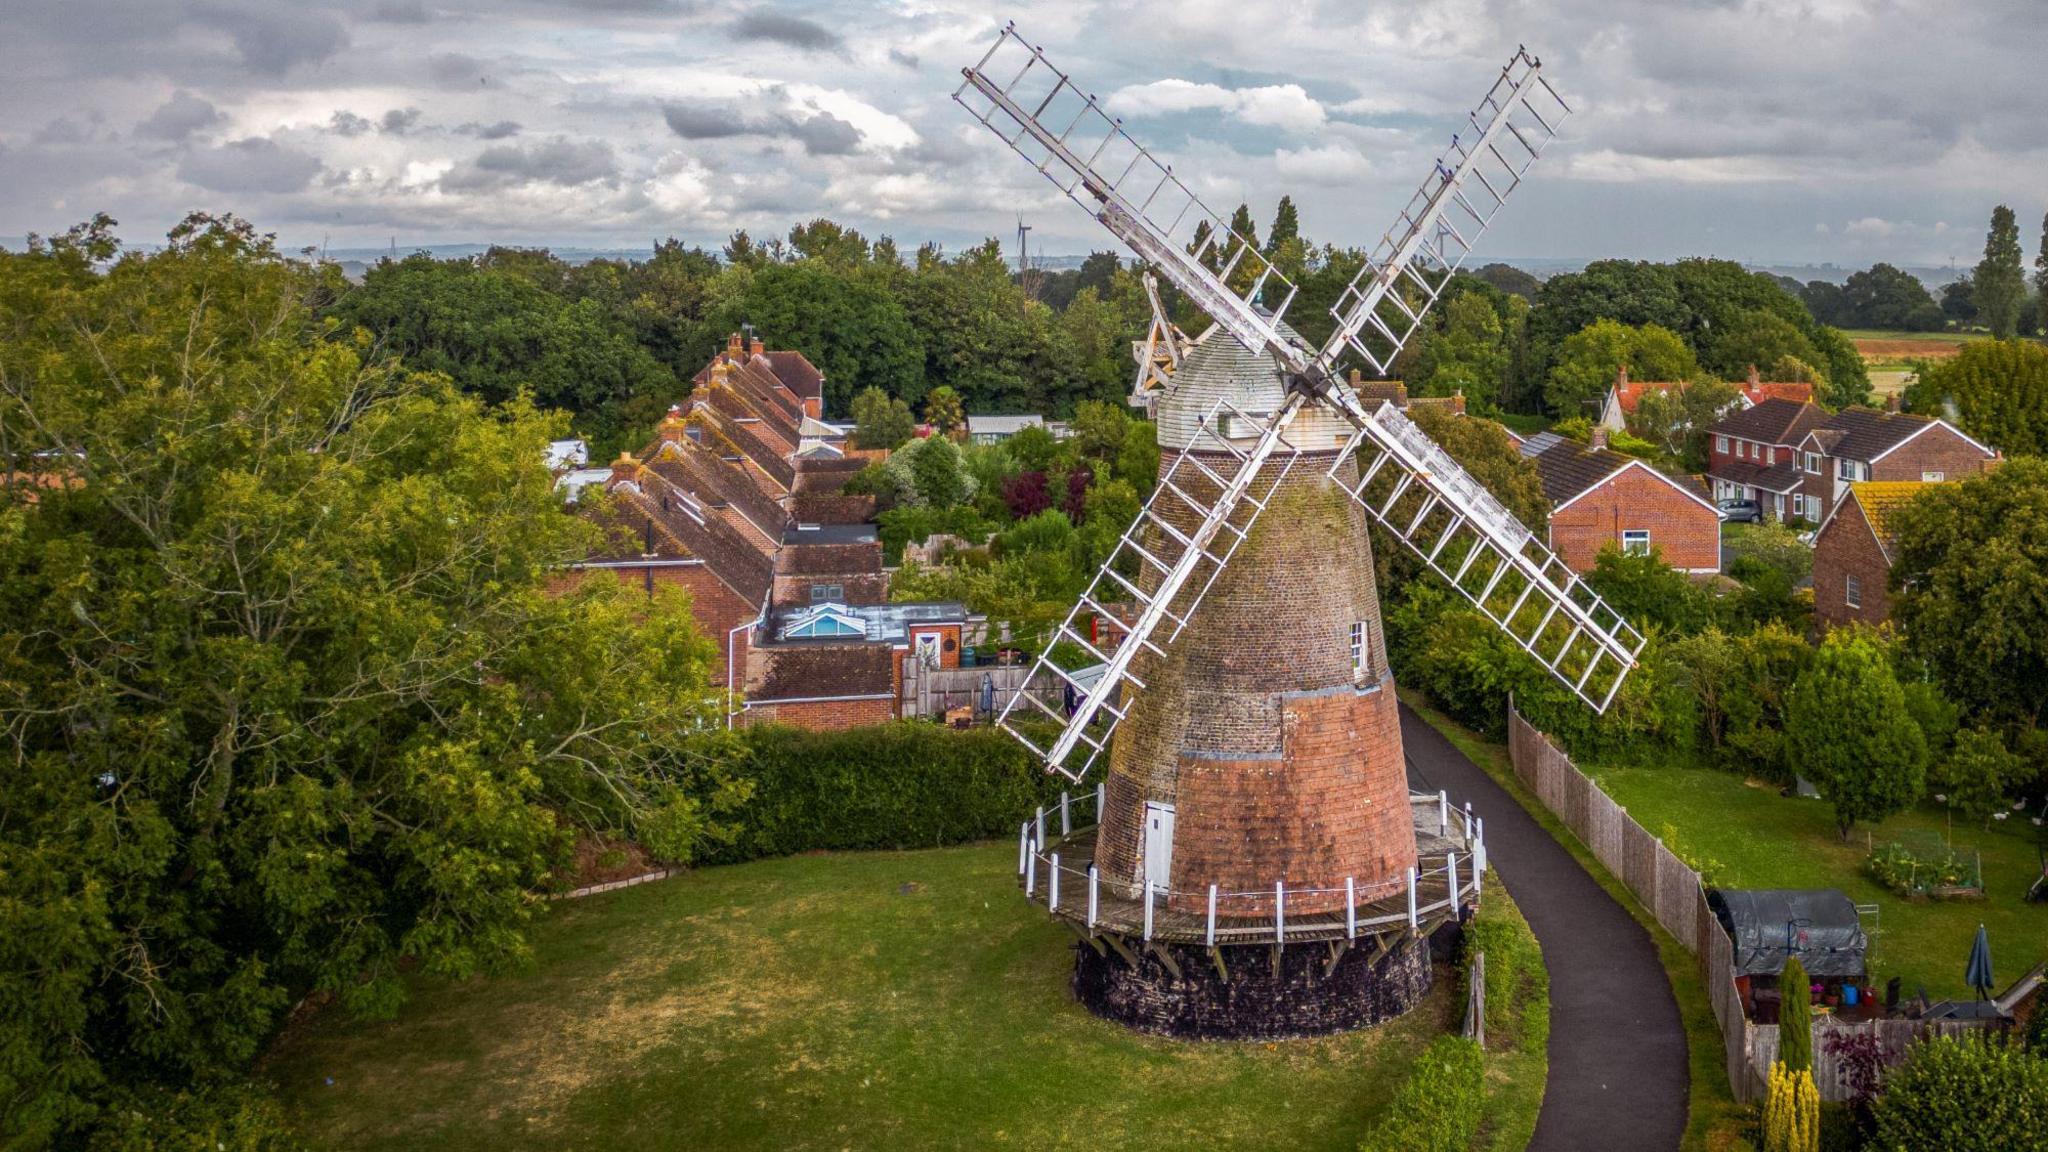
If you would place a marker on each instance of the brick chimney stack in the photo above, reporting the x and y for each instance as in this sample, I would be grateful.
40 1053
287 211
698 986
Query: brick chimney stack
670 430
1754 379
1621 377
733 346
1599 437
625 468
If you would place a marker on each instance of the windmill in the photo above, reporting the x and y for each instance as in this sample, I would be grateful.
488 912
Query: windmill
1255 790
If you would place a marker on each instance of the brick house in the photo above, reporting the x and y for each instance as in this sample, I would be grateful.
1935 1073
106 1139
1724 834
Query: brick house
1600 498
1797 460
830 564
832 665
1622 399
1853 553
789 374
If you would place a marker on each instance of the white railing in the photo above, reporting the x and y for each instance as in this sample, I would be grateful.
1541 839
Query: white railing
1439 885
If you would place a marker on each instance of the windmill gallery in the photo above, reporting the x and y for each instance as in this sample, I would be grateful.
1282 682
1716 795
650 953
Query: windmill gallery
1252 862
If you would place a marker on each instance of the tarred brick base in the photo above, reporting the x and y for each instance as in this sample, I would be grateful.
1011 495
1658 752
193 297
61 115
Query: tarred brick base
1258 1001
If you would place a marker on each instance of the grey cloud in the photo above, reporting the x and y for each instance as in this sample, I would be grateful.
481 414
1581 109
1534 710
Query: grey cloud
781 28
824 134
558 160
455 69
273 41
907 59
179 117
501 130
347 123
400 12
254 164
704 121
399 121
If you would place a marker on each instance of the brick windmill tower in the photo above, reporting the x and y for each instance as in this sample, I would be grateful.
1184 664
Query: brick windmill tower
1257 865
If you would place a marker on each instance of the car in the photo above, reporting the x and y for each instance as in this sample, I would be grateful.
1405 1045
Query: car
1741 511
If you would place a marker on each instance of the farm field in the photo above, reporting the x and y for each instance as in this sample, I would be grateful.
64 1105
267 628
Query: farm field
1759 839
847 1000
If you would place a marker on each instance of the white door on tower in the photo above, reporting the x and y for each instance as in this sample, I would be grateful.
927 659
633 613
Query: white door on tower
1158 844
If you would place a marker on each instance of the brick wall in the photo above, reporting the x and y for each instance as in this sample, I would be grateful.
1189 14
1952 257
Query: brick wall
1936 450
823 715
1686 531
1847 548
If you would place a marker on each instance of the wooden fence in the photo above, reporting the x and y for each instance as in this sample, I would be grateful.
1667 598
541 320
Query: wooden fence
1673 893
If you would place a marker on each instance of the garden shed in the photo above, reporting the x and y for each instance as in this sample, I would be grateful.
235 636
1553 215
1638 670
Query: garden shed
1765 925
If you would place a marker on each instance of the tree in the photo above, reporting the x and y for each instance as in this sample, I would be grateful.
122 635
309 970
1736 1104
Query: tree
1099 429
1791 1110
288 705
1468 354
1970 575
1753 338
1978 775
1885 297
1483 449
935 467
1589 360
858 332
1848 731
1648 591
879 422
1958 300
2041 263
1974 1094
1997 391
1286 226
1795 1017
1677 419
1511 280
2000 280
943 410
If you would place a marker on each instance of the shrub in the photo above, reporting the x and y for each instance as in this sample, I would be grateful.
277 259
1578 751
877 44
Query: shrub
1795 1017
1517 984
907 784
1437 1110
223 1118
1969 1095
1791 1111
1911 873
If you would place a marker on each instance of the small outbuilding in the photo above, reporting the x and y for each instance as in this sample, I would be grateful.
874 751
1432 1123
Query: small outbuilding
1766 925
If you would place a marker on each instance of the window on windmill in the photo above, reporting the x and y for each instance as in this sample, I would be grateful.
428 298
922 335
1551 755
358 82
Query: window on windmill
1358 652
1635 541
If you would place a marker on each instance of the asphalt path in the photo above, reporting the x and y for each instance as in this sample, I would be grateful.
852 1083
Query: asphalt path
1618 1064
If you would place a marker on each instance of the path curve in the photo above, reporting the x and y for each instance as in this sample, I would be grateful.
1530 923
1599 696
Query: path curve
1618 1062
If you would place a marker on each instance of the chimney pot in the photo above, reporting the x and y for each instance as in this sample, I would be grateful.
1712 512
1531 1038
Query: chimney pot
1599 437
1754 379
626 467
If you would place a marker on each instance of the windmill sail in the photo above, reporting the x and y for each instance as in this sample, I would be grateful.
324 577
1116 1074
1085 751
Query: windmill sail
1039 112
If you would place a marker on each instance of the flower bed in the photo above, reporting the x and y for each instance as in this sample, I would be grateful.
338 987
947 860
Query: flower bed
1936 872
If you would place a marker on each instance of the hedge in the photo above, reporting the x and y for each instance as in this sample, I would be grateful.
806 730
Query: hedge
908 784
1517 984
1438 1109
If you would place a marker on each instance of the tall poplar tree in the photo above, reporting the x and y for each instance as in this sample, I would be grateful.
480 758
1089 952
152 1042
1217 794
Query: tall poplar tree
2001 277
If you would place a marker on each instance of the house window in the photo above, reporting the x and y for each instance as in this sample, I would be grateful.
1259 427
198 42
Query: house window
1635 541
1770 455
1852 592
1933 477
1721 444
1813 463
1358 653
1845 469
823 593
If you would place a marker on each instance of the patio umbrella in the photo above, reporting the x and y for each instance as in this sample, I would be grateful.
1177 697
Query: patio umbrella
1979 974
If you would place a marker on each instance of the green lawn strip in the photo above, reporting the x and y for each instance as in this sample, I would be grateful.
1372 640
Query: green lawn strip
1759 839
1714 1121
843 1000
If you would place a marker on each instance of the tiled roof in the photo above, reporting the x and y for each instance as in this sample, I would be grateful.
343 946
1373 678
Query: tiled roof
830 559
729 437
1774 421
810 670
717 482
1879 500
1536 444
797 374
760 383
1631 393
1783 476
648 517
1867 433
1761 390
777 437
1568 468
1373 393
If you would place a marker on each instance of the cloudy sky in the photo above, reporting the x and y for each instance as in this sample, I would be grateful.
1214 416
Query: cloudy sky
1765 130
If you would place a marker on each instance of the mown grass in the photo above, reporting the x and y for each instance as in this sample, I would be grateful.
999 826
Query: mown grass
1760 839
855 1000
1714 1120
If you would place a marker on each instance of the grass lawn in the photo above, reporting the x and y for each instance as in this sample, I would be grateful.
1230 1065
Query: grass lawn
863 1000
1763 840
1714 1121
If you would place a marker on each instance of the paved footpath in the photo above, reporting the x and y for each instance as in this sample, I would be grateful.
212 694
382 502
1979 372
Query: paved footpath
1618 1063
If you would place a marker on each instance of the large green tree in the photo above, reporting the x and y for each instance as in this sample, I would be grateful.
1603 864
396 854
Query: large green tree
1997 390
1970 580
856 330
1589 360
1885 297
287 705
1847 729
2000 281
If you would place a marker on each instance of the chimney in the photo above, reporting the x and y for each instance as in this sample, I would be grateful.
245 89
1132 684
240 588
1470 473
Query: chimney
758 346
733 345
1621 377
752 346
625 468
1599 437
670 430
1754 379
1355 378
1891 402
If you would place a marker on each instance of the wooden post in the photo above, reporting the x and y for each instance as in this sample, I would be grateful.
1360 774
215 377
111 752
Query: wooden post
1023 845
1093 879
1066 825
1280 911
1443 813
1411 900
1210 938
1350 909
1052 886
1148 909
